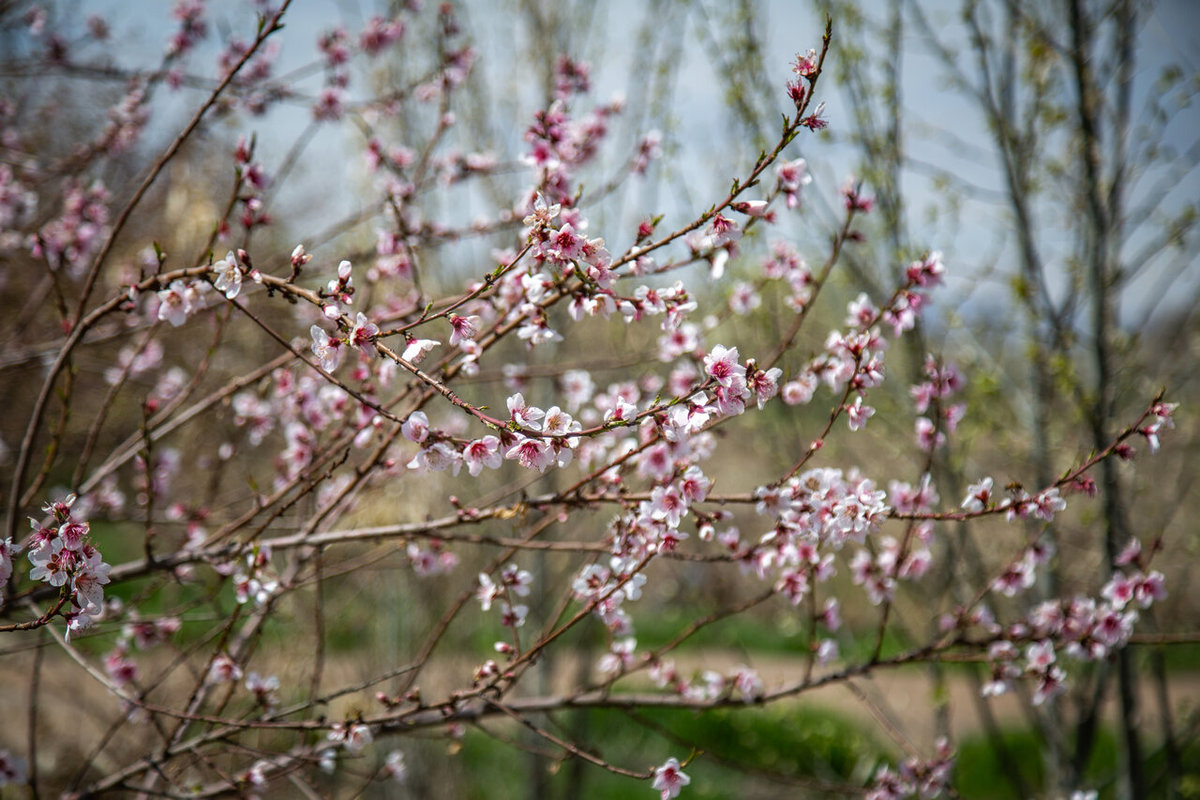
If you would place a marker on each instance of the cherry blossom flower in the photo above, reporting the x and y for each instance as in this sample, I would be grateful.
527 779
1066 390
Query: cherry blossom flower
7 551
416 350
1129 554
121 669
747 682
857 414
73 534
827 651
792 176
618 658
979 496
531 453
87 585
329 105
517 580
488 591
512 616
816 121
1039 656
224 670
480 453
928 271
806 64
463 328
437 457
928 436
722 364
263 689
1045 504
751 208
1150 589
326 348
229 276
395 767
363 334
744 299
352 736
51 563
578 388
175 303
525 416
379 34
799 390
299 257
721 230
669 779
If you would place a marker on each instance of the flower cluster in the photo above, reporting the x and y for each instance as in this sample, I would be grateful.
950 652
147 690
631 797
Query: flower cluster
64 556
915 777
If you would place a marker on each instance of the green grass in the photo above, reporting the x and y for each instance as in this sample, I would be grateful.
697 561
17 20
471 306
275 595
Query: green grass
981 772
736 753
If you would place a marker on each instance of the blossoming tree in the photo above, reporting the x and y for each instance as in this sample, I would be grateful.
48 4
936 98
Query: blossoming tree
212 450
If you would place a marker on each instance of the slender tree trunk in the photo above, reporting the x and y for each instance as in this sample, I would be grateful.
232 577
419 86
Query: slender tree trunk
1102 210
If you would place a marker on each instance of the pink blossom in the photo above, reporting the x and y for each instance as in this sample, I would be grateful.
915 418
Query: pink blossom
1129 554
1046 504
87 585
928 436
721 229
806 64
751 208
121 669
299 257
395 767
513 616
669 779
437 457
792 176
525 416
858 414
722 364
1151 589
416 350
175 303
463 328
1039 656
531 453
7 550
326 348
928 271
229 276
481 453
743 299
799 390
51 563
329 105
263 688
416 427
363 334
73 534
224 670
379 33
353 736
979 496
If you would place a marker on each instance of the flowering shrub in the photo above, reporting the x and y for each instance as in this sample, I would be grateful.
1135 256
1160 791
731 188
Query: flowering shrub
275 422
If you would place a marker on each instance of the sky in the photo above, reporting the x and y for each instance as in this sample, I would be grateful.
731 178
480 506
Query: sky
941 131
